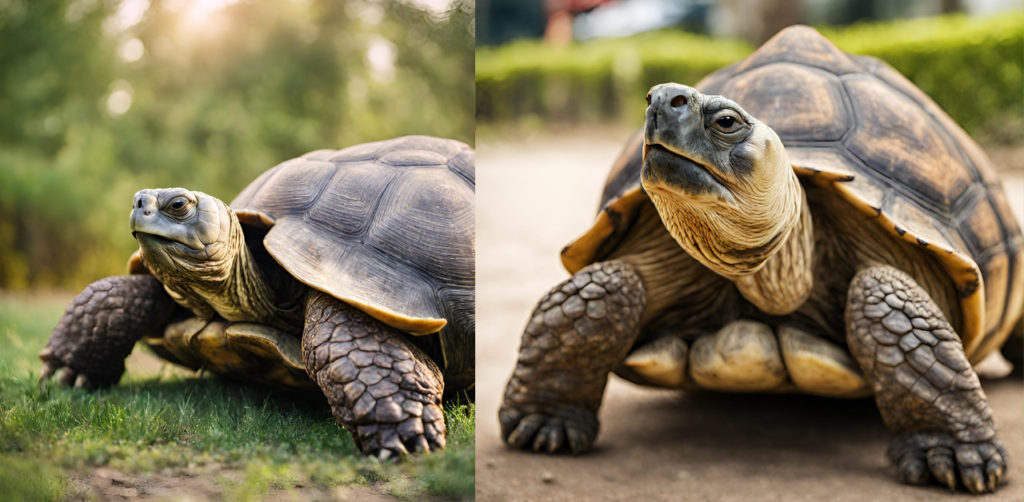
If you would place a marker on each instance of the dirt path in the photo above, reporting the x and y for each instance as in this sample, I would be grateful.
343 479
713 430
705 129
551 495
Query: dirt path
208 483
534 198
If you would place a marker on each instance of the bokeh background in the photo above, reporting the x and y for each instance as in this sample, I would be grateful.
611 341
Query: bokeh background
101 98
586 61
560 89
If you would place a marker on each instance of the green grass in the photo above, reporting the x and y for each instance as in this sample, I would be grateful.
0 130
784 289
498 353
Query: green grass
157 418
31 479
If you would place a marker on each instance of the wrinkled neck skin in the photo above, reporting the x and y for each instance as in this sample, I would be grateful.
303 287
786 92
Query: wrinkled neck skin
228 283
783 284
762 240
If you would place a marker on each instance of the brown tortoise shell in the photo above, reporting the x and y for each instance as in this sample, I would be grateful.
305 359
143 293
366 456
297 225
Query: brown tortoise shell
856 125
387 227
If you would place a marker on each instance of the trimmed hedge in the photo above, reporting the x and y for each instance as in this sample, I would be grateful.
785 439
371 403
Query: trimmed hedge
973 68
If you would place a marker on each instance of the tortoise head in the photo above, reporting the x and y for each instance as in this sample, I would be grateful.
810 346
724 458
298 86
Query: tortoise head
184 234
720 179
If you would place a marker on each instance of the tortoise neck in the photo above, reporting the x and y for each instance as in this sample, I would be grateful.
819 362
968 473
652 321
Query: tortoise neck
736 239
233 287
783 284
246 295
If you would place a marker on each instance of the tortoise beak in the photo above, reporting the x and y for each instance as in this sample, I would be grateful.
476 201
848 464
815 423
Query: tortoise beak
146 218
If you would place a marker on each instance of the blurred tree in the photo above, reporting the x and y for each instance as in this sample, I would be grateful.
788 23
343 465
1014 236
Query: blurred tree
99 99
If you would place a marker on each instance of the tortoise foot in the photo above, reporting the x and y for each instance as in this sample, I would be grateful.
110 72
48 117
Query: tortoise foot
925 457
578 332
416 434
381 387
565 428
99 328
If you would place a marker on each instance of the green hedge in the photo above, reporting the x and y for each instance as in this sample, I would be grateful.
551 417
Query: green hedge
971 66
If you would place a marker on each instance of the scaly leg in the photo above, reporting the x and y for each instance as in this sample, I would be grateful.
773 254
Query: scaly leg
926 390
578 333
100 327
381 387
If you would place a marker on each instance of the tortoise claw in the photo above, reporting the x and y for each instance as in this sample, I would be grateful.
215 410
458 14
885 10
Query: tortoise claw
421 445
394 446
572 431
83 382
67 376
913 469
980 467
50 364
46 355
47 372
942 465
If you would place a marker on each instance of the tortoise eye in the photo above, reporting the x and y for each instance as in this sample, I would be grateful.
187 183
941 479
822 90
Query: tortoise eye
648 99
179 204
728 123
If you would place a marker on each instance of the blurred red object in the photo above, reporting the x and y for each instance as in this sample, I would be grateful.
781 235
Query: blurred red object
560 15
573 6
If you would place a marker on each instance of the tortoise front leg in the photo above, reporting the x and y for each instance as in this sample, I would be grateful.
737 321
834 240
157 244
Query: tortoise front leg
578 333
100 327
381 387
925 388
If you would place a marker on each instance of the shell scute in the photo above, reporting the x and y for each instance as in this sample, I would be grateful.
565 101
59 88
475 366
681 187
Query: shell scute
897 139
804 45
295 187
365 151
980 227
807 104
421 220
419 158
349 211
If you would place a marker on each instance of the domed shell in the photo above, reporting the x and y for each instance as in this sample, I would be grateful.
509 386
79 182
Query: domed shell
857 126
387 227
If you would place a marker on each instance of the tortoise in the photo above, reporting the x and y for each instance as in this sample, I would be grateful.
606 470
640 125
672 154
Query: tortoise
346 272
823 228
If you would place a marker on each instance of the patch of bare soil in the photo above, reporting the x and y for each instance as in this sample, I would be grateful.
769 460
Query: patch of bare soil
204 484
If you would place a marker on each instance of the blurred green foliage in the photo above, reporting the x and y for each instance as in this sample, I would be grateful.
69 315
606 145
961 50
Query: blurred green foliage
217 97
972 67
591 81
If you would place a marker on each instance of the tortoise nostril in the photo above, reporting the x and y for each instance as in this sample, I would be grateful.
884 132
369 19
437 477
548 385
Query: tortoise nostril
678 101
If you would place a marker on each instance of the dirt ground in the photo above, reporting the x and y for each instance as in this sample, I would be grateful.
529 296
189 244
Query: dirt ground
536 195
202 485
